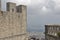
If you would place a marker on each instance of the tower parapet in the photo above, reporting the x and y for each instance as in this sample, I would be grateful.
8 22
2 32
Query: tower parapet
11 7
21 8
13 22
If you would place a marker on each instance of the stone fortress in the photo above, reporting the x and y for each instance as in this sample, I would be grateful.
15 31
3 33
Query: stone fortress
51 32
13 22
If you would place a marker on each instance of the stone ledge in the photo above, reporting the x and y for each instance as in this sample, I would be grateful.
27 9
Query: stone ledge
13 36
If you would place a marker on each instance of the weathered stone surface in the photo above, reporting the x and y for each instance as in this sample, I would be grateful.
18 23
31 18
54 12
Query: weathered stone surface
13 23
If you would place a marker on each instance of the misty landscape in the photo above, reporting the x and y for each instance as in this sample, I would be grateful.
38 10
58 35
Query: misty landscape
39 12
41 16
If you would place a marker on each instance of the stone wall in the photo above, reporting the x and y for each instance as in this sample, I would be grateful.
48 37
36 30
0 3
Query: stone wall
13 24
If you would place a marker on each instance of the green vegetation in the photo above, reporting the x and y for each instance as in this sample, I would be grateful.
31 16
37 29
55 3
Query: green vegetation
58 34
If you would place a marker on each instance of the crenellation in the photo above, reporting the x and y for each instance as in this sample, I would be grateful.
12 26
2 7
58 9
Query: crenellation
11 7
51 32
19 8
13 23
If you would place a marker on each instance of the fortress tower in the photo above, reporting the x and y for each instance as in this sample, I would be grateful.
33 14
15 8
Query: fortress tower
11 7
13 22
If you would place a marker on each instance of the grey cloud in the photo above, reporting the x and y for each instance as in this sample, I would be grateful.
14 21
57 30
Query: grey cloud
50 17
51 4
37 18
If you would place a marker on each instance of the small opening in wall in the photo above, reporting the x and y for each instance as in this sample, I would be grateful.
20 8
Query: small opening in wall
1 11
12 10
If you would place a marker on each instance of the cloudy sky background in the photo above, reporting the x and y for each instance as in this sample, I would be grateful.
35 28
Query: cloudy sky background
40 12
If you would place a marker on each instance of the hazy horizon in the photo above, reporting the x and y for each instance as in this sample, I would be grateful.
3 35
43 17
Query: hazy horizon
39 12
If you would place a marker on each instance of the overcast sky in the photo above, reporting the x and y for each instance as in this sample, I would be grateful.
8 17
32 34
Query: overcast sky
40 12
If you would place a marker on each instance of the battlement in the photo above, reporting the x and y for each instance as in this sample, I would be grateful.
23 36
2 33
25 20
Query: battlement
11 3
11 7
20 8
13 22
